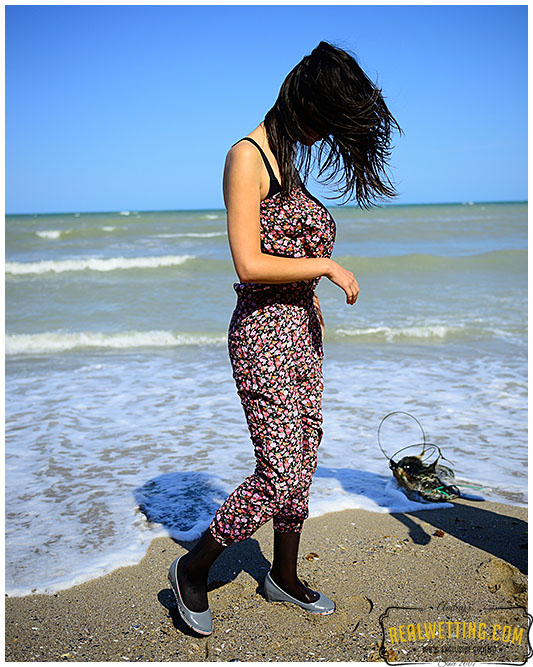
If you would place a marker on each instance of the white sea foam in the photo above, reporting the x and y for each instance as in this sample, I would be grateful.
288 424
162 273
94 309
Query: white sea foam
51 233
108 228
125 213
184 444
378 496
98 567
197 235
95 264
211 216
393 333
53 342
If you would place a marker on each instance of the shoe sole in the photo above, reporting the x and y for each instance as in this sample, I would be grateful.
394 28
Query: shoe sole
314 613
272 596
180 602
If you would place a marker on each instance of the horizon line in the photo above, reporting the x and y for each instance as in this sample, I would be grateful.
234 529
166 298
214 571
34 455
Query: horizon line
127 212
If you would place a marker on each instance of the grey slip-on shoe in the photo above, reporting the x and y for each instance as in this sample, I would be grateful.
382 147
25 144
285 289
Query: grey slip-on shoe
274 593
199 621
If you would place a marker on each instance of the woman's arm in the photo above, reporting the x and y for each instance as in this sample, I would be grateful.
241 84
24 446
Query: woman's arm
242 196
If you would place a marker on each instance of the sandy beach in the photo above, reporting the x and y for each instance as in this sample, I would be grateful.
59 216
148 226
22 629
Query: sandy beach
469 558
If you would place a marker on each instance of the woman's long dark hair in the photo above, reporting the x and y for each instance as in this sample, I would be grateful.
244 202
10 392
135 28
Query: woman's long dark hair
329 97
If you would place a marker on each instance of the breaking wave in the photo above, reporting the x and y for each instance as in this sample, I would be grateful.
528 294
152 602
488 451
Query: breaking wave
94 264
50 342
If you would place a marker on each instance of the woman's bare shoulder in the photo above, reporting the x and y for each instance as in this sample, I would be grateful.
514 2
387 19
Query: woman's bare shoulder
243 150
243 156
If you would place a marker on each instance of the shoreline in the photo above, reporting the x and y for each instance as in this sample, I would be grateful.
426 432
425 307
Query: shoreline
119 562
475 553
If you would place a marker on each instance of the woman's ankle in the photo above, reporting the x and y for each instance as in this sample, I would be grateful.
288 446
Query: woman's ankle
198 561
294 586
282 578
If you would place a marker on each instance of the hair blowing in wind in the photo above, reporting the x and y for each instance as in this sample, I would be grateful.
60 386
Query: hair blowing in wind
328 98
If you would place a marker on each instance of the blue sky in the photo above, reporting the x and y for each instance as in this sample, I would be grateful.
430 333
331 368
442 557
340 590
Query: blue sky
134 107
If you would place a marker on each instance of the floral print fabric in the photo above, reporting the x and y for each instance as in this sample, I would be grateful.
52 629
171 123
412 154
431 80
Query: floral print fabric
275 349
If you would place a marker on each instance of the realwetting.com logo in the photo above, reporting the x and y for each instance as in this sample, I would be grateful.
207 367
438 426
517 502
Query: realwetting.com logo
455 633
456 630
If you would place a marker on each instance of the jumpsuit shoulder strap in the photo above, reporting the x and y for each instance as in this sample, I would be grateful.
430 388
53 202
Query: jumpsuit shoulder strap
265 159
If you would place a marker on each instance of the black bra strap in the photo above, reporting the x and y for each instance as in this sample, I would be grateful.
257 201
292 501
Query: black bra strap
265 159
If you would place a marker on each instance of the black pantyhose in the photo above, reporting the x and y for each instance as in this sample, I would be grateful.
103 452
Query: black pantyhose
193 570
284 567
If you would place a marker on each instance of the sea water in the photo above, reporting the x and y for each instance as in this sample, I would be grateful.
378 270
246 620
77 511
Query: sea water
122 418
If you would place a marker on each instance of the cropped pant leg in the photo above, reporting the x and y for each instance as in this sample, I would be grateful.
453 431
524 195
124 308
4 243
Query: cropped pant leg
277 365
292 514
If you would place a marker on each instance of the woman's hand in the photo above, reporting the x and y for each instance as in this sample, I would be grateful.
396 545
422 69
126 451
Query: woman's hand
319 313
345 280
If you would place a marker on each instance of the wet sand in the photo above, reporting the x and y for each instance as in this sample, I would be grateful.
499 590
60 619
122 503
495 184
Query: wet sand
474 555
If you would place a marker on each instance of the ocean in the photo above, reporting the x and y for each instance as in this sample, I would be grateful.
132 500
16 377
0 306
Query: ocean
122 418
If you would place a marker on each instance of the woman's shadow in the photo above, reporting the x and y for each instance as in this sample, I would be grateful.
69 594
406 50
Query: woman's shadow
184 503
498 534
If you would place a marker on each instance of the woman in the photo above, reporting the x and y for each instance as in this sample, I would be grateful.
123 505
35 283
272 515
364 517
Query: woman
281 240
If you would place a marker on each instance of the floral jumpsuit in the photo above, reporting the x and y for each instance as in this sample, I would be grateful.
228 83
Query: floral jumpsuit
275 349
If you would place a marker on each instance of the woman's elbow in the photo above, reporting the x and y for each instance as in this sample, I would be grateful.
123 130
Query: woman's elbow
245 275
247 271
